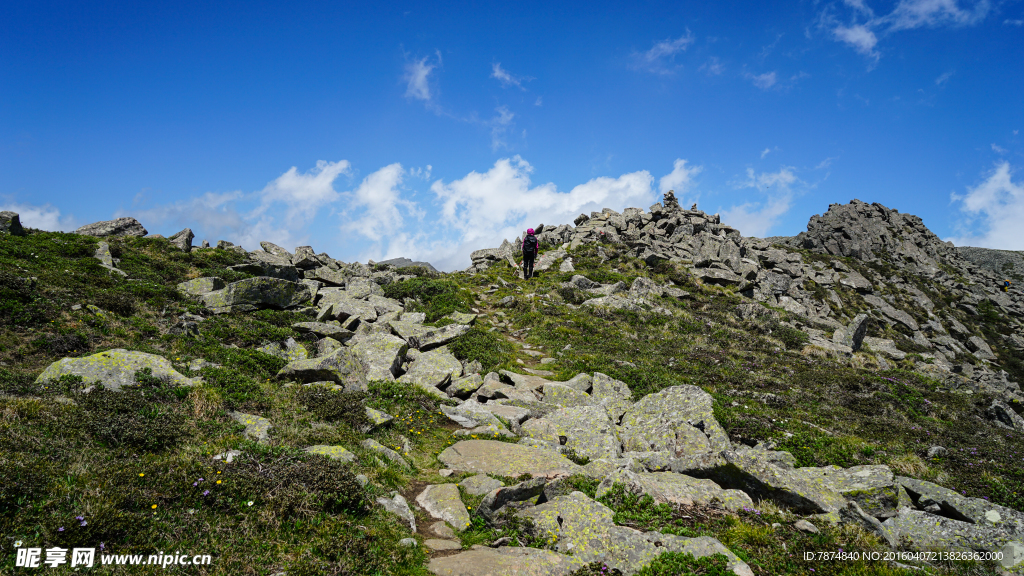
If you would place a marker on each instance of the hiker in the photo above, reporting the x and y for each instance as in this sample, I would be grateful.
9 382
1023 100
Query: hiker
531 246
1006 285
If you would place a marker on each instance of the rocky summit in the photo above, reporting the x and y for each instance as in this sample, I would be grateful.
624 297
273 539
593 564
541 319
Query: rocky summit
665 396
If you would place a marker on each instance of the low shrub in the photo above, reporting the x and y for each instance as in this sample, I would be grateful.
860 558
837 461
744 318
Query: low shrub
332 406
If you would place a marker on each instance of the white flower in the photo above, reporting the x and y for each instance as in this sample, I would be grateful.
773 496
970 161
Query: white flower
17 543
250 502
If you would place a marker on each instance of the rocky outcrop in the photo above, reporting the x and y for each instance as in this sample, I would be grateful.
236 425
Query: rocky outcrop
114 369
125 226
10 223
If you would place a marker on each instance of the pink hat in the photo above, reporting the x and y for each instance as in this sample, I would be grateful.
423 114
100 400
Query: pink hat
529 230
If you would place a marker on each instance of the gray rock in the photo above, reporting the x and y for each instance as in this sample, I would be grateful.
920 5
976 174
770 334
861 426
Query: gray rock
183 240
980 348
114 369
323 330
672 488
872 487
431 338
853 514
581 382
276 250
498 498
442 529
958 507
679 419
254 293
470 414
106 259
386 452
1004 416
504 560
613 394
125 226
10 223
937 452
339 453
644 288
465 387
432 370
442 501
288 350
341 306
280 270
892 313
381 355
565 396
916 530
398 506
438 545
256 427
805 526
362 288
588 431
377 418
853 334
480 484
504 459
341 366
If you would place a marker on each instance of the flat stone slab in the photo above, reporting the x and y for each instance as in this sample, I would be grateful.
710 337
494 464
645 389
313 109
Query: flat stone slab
332 452
504 459
442 501
672 488
437 545
324 330
565 396
873 487
113 368
588 431
480 484
504 561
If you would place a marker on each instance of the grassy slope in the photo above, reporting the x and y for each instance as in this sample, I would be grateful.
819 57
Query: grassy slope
59 460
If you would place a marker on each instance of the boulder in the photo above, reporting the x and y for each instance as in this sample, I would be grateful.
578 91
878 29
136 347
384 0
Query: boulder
254 293
323 330
872 487
430 338
10 223
916 530
753 472
588 431
1004 416
381 355
276 250
341 366
200 286
398 506
288 350
613 394
480 484
117 227
495 500
980 348
387 453
644 288
183 240
958 507
679 419
341 306
362 288
433 369
565 396
470 414
339 453
504 459
504 560
113 368
257 428
853 334
465 387
672 488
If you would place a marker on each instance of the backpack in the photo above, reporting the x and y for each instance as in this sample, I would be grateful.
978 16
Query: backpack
530 245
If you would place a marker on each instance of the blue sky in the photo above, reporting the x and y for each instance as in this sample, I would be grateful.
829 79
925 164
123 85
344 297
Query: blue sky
374 130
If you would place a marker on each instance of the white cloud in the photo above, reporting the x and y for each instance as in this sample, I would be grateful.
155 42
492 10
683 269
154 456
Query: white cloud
765 152
858 36
712 67
993 211
944 78
1014 22
499 125
417 79
539 102
910 14
379 199
859 6
481 210
507 79
45 217
303 194
999 149
662 54
679 179
763 81
758 218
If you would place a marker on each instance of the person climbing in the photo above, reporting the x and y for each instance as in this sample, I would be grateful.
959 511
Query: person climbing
531 246
1006 285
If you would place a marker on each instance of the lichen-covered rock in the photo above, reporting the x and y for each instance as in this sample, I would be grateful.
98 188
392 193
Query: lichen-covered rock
956 506
323 330
433 369
753 472
442 501
268 266
565 396
288 350
254 293
504 560
10 223
361 288
377 418
200 286
465 387
429 338
588 431
381 354
339 453
504 459
613 394
256 427
341 366
388 453
872 487
341 306
480 484
183 240
679 419
470 414
398 506
117 227
917 530
672 488
492 504
113 368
